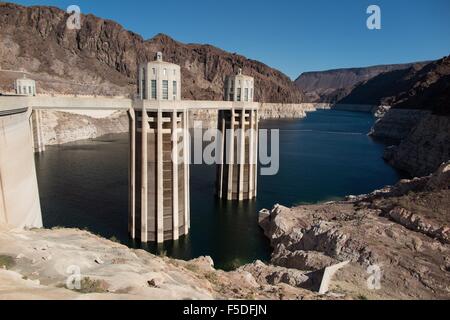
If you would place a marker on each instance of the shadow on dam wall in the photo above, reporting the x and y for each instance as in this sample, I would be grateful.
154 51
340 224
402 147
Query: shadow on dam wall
19 195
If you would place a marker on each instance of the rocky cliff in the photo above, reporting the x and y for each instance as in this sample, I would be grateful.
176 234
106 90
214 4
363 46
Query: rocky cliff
418 122
396 124
102 58
396 240
429 89
419 86
382 88
63 127
425 147
332 85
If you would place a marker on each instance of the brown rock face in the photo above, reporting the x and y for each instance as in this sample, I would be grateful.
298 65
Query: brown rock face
333 85
425 148
419 121
417 87
422 85
430 89
401 231
102 58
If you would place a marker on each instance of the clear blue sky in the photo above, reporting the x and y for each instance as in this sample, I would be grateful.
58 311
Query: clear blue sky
293 36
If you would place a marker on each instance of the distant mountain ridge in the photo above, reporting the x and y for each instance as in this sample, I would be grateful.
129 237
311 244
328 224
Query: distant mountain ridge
333 85
417 87
102 58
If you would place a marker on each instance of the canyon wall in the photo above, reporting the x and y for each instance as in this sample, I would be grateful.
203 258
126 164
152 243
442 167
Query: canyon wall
426 146
417 125
332 85
63 127
288 111
102 58
418 140
396 124
402 231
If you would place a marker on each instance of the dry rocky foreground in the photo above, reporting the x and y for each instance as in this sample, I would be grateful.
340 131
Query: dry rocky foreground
396 240
38 264
391 244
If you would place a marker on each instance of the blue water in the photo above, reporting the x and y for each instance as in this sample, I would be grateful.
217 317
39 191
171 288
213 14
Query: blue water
324 157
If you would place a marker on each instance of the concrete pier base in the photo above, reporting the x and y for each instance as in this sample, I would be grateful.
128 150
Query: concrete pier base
132 174
19 195
237 172
36 125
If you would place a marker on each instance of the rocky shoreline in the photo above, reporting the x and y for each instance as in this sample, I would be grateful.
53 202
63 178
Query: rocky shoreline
426 146
417 140
398 236
64 127
396 124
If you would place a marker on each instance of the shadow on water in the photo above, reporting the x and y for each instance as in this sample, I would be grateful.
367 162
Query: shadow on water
326 156
229 234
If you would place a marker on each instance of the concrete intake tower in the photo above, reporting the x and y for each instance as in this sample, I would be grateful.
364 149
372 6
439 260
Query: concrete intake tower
237 171
161 156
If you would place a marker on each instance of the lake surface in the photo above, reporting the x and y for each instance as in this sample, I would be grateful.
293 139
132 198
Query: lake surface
324 157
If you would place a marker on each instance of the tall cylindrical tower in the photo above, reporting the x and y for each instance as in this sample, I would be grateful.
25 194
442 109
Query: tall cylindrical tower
237 172
161 156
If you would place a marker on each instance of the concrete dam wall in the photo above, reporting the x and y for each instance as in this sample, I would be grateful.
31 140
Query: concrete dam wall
19 196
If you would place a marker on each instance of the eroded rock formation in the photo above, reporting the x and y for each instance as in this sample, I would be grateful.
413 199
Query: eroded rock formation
425 147
401 231
418 124
63 127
